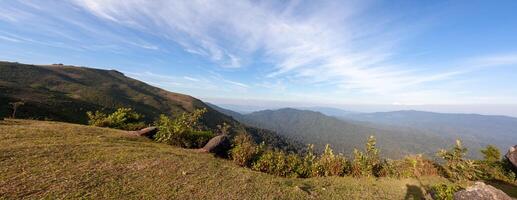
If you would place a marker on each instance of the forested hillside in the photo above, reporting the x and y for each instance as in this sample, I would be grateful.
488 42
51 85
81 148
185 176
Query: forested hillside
475 130
66 93
315 128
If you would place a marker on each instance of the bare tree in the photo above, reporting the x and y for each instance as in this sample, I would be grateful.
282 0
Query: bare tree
15 106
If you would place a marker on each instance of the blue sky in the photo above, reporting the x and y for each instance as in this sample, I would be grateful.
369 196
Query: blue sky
313 52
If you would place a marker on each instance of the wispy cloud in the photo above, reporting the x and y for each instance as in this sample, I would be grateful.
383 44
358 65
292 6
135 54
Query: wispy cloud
344 48
327 44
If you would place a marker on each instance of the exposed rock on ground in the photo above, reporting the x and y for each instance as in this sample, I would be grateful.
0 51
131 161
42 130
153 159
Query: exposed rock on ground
512 156
481 191
144 132
218 145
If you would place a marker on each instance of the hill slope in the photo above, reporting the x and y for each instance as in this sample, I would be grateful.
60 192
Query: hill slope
475 130
66 93
59 160
344 135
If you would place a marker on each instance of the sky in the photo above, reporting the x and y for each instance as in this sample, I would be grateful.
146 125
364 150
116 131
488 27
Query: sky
394 53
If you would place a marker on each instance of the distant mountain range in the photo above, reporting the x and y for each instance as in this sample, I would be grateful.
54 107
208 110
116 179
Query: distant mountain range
398 133
66 93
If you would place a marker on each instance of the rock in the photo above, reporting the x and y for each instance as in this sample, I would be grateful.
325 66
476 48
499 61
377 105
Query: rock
218 145
144 132
512 156
481 191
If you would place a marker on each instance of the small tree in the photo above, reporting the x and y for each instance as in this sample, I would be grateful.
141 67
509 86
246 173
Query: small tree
491 154
368 163
184 130
456 166
15 106
122 118
330 164
245 151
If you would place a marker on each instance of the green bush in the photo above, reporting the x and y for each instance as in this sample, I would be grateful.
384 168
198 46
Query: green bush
456 167
245 151
367 163
493 167
444 191
410 166
183 131
330 164
122 118
279 163
308 161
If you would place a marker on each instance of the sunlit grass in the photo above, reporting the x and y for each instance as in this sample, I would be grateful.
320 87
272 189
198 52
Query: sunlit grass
59 160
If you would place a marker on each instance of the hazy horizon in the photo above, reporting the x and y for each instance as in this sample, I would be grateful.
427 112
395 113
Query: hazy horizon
258 105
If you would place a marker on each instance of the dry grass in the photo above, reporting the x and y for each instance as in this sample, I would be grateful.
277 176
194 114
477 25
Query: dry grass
59 160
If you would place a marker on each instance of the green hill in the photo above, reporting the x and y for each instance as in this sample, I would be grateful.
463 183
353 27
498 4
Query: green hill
52 160
66 93
344 135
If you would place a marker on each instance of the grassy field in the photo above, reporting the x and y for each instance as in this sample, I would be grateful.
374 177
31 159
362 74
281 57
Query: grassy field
58 160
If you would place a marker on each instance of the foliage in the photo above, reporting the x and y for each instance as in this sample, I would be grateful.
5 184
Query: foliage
491 154
456 166
122 118
279 163
245 151
308 161
493 167
183 131
91 163
367 163
410 166
330 164
444 191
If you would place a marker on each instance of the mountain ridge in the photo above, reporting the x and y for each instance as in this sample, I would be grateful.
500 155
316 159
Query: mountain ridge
65 93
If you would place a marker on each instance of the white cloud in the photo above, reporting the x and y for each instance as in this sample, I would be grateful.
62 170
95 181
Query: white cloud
325 44
191 79
310 43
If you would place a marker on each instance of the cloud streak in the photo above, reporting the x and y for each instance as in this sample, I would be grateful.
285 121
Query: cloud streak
327 44
324 48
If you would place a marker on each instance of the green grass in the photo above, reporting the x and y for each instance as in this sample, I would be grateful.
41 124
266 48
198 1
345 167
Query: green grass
58 160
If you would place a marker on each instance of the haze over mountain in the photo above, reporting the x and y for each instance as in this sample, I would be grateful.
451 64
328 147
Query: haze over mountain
398 133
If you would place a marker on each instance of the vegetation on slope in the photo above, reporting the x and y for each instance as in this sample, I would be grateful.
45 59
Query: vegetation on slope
59 160
67 93
476 131
311 127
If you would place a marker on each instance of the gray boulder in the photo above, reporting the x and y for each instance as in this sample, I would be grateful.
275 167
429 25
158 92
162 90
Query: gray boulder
481 191
218 145
512 156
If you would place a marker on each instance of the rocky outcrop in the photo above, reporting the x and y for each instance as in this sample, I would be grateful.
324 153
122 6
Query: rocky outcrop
481 191
218 145
512 156
144 132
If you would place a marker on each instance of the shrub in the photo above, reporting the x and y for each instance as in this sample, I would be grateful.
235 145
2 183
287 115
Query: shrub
491 154
122 118
410 166
330 164
444 191
244 150
183 131
493 167
456 166
279 163
368 163
309 160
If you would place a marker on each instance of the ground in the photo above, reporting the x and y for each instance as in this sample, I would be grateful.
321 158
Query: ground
41 159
